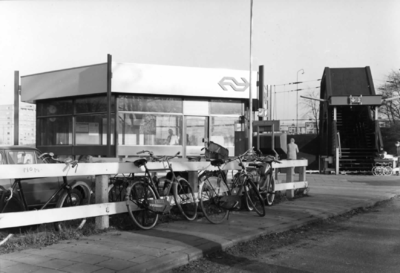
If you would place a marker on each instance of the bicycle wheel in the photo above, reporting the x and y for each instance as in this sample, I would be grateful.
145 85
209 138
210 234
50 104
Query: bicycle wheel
117 190
212 189
139 194
374 170
253 199
185 199
77 196
388 170
269 190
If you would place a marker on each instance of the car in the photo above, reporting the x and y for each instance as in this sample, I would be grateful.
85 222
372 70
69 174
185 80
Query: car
34 192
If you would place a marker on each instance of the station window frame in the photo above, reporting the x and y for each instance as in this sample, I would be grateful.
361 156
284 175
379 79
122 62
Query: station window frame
47 110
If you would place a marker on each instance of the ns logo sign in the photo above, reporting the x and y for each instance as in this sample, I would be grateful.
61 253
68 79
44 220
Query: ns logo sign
235 85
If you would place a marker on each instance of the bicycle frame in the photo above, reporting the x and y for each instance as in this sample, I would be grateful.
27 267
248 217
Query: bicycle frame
237 186
149 179
169 168
17 188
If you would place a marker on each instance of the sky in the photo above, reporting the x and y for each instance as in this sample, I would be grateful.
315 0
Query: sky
288 35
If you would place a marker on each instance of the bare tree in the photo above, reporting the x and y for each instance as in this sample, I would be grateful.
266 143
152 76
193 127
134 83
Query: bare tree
312 107
391 108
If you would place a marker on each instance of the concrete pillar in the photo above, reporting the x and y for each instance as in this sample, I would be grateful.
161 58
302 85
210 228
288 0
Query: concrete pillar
101 191
193 180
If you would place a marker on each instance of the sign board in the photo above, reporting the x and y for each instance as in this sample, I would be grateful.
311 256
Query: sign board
182 81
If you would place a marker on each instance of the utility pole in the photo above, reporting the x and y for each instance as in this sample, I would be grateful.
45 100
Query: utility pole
297 101
251 65
16 107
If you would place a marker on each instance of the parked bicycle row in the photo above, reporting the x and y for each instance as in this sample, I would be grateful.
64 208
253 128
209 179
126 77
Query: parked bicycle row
157 191
219 192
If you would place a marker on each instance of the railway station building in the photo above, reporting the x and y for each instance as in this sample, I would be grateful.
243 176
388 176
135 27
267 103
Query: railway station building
118 109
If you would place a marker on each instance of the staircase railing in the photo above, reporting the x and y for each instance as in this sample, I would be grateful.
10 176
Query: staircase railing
339 145
338 152
378 137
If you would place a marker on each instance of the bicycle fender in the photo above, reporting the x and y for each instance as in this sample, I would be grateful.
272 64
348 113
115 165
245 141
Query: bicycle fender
84 187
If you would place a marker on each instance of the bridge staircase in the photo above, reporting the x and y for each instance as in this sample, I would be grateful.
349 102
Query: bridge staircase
357 138
349 133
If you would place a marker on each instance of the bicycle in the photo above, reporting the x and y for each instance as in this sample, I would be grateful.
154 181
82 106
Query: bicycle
117 186
382 168
217 198
68 195
265 176
253 199
149 195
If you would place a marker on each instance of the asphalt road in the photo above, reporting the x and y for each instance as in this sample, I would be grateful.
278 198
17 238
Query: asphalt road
368 241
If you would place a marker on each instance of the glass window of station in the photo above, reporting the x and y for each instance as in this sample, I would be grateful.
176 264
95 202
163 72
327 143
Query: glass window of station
185 122
80 121
142 121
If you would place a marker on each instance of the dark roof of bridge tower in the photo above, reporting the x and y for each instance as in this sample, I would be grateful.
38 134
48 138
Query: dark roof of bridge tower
347 81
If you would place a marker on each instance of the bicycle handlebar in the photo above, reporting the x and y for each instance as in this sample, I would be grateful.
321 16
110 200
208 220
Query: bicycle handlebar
69 161
48 154
240 157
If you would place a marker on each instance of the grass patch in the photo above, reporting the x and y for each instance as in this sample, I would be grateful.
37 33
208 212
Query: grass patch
44 235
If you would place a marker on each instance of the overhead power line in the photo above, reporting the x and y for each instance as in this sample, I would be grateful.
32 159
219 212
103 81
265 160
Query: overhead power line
296 90
295 82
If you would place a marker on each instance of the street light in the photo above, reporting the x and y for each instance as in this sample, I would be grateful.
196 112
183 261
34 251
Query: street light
297 100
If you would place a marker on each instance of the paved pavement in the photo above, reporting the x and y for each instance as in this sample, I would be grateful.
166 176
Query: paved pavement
176 243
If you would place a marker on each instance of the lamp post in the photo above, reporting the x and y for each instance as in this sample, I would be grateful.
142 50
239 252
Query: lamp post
297 100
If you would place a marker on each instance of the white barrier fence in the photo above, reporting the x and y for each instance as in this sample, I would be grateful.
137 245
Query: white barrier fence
102 171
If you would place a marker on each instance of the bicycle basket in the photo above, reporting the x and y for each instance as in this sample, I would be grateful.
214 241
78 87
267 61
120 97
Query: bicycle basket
216 151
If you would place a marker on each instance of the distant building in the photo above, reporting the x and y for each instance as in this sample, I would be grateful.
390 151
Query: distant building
27 124
284 128
292 129
311 127
304 128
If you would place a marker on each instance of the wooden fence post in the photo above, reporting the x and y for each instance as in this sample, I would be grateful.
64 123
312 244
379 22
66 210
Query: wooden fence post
289 178
302 174
102 222
193 179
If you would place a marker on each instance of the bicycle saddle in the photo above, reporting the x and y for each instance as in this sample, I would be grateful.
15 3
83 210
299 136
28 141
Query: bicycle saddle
217 162
140 162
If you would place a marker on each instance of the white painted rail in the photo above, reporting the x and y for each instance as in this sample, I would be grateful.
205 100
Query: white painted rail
102 209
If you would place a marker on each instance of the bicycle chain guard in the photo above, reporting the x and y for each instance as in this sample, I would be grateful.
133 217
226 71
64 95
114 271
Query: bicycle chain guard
230 202
159 206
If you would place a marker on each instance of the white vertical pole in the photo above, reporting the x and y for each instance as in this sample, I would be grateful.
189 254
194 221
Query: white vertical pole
337 161
269 103
251 65
101 195
337 149
334 113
